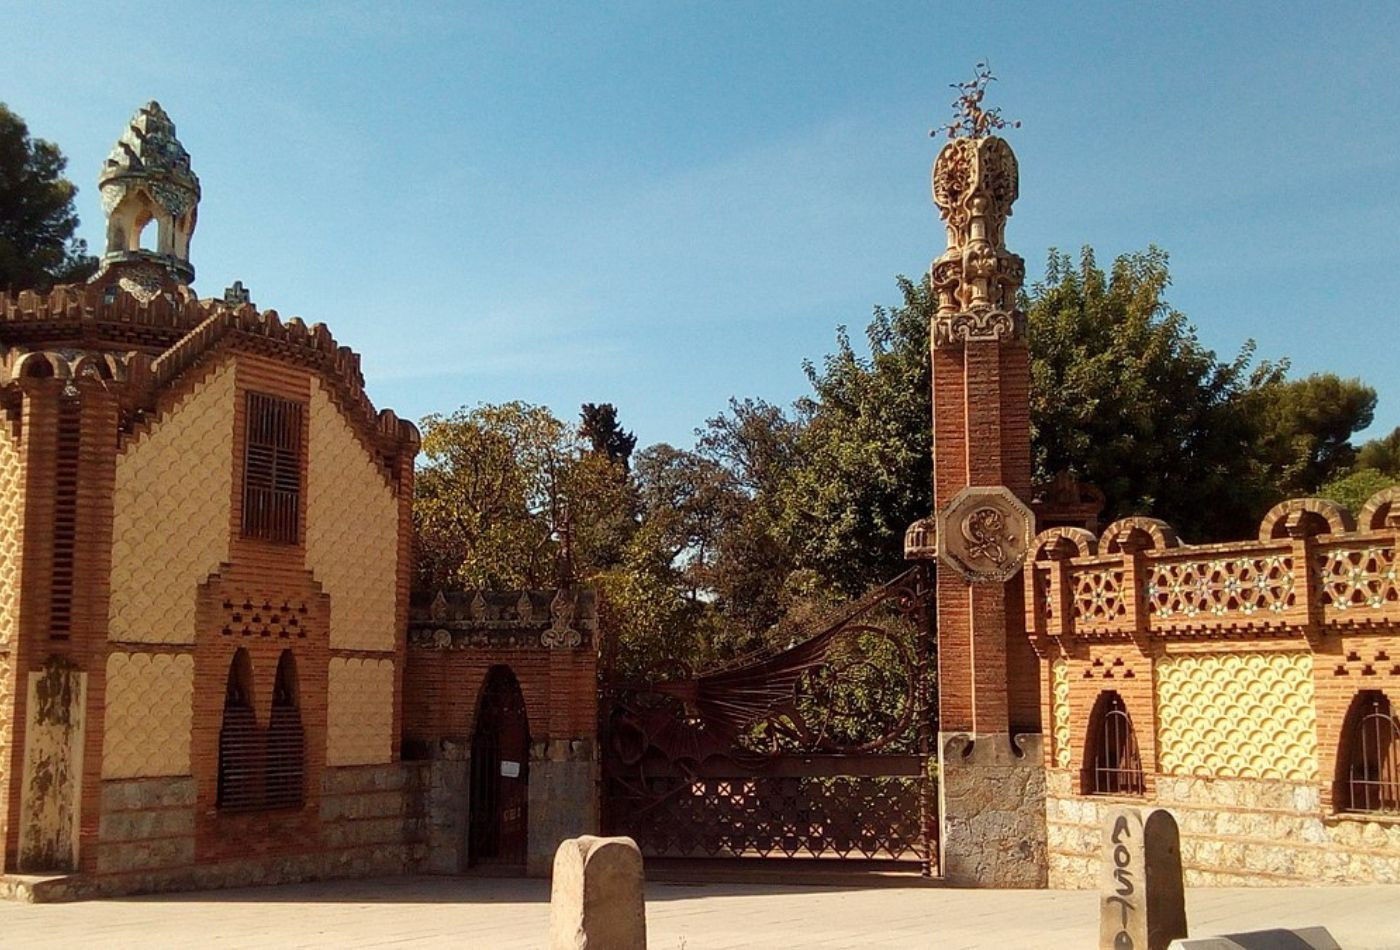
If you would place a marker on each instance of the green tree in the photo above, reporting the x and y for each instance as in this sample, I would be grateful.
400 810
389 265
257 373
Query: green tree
599 425
498 490
1354 489
1124 396
1306 427
1382 455
864 470
37 218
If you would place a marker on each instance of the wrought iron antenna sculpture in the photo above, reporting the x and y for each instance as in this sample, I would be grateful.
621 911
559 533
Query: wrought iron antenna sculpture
970 120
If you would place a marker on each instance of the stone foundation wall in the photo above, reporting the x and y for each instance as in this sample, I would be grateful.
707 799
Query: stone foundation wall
147 825
1277 830
448 803
372 822
563 798
991 800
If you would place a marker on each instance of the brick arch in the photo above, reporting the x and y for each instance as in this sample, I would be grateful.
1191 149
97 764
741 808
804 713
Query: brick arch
1381 507
1112 761
1138 532
1080 541
481 692
1363 704
1311 516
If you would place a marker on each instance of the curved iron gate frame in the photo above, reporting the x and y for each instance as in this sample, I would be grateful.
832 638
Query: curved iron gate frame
693 730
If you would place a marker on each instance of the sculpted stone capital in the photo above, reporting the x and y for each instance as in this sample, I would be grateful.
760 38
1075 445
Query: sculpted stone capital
982 323
984 534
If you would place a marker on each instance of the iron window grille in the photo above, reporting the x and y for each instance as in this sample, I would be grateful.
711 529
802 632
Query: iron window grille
1116 766
1372 756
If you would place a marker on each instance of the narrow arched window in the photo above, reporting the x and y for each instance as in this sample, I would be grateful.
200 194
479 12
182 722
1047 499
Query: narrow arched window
238 739
286 745
1369 766
1112 765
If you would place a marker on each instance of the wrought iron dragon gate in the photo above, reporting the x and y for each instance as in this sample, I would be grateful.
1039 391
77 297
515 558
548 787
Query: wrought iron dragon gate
818 748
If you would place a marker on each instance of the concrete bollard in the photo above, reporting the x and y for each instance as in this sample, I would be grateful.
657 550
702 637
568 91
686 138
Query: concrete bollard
1142 903
596 900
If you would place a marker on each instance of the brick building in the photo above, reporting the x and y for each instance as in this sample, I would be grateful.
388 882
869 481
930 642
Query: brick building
204 581
1251 688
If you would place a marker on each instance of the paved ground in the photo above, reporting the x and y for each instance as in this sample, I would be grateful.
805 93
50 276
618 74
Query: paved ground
485 914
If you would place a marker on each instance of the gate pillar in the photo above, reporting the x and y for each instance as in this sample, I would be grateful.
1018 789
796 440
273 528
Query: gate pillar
991 779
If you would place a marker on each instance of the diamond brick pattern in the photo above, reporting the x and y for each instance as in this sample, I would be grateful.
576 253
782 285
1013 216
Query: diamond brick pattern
1242 715
352 525
361 711
171 510
149 706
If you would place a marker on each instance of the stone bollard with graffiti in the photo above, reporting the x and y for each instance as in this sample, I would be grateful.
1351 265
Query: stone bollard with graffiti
1142 904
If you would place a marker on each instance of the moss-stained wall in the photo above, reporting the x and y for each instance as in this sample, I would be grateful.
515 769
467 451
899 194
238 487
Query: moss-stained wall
171 511
352 524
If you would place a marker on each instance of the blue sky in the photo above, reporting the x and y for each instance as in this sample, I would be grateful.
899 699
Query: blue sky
665 205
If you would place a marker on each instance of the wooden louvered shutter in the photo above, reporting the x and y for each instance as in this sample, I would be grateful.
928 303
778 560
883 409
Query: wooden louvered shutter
286 741
272 469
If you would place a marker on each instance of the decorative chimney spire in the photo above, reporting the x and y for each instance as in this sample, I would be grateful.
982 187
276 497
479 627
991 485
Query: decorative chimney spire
975 182
147 180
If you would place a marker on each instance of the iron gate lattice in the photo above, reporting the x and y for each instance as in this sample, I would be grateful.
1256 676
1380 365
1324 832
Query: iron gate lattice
818 749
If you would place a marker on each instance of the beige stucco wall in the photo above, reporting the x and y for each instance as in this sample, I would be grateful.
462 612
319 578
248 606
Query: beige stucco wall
149 707
352 523
360 714
171 511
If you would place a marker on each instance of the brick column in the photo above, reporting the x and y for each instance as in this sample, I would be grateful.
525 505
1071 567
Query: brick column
991 786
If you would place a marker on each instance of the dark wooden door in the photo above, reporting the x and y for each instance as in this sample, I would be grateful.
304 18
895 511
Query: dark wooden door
500 774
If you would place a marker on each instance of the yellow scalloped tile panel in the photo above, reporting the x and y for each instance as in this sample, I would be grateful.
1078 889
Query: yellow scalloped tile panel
1243 715
360 716
1059 696
11 533
7 722
150 699
171 510
352 531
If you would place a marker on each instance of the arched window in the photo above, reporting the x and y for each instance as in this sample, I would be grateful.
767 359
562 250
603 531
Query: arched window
238 739
284 763
1112 765
1368 769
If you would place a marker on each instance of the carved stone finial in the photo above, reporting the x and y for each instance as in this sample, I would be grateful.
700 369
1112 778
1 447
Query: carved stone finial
524 607
975 182
237 295
921 540
478 607
561 632
438 610
147 179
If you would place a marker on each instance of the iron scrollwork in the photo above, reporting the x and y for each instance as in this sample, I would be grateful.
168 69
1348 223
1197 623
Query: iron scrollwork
817 748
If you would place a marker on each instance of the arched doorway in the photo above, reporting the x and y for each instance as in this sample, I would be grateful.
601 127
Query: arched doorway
500 774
